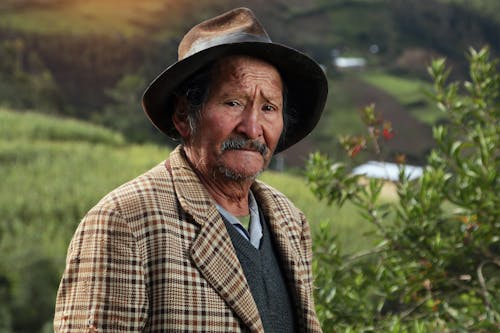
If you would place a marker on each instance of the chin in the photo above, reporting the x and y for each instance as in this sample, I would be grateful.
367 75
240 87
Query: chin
238 175
241 167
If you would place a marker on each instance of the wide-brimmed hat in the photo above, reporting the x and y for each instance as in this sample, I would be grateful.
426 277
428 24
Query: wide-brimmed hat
239 32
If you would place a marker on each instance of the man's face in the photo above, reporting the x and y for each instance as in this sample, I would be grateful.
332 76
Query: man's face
241 120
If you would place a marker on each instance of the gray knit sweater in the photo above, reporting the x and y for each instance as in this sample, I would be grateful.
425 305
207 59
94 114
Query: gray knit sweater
267 283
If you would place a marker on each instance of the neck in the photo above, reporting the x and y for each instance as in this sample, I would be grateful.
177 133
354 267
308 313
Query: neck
230 194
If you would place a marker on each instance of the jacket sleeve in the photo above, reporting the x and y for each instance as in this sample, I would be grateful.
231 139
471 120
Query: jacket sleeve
306 244
103 287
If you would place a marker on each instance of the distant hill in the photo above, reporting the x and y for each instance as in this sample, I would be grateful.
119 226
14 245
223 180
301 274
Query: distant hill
92 59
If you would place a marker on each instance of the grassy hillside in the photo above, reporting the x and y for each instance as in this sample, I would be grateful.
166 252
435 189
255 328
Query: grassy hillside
411 93
53 170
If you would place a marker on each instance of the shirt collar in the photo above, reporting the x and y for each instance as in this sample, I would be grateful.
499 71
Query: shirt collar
254 235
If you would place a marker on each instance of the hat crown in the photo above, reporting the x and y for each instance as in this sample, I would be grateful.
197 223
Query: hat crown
237 25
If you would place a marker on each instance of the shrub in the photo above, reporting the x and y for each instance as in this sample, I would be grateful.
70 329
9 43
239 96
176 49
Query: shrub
437 264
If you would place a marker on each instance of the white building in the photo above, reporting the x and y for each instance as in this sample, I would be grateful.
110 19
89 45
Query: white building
386 170
349 62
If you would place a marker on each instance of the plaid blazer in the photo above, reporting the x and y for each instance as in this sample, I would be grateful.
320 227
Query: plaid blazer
154 255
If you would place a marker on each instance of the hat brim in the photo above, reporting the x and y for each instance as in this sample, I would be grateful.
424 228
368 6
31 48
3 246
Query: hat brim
306 83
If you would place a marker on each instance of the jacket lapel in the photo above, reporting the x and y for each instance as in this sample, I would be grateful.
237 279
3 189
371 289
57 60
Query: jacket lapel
279 217
212 251
214 255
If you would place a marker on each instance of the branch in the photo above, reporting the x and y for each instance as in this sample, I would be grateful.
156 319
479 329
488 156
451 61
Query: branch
482 283
361 254
419 304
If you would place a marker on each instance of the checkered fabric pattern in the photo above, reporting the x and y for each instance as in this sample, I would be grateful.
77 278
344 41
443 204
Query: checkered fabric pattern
154 255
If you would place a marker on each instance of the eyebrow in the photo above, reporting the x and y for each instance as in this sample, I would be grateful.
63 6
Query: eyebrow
268 98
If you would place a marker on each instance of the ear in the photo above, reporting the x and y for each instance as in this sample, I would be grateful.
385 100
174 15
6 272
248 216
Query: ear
179 119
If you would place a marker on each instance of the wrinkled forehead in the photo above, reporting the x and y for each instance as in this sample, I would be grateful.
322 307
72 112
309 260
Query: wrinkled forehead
244 70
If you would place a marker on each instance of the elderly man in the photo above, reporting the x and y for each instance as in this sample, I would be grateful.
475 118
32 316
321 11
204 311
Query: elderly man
197 244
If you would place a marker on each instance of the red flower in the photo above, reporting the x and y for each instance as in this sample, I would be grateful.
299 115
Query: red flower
355 150
388 133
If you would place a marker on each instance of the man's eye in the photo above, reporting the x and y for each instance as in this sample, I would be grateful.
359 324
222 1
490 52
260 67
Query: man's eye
268 107
232 103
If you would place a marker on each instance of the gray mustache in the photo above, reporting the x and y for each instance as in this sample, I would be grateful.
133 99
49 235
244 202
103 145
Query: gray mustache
242 143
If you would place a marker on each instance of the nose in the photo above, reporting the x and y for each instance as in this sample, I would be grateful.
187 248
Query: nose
250 123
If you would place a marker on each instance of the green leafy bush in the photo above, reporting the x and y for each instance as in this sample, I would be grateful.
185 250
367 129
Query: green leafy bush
436 267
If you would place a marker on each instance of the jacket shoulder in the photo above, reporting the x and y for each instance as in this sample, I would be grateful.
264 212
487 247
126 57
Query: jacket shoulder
139 194
271 198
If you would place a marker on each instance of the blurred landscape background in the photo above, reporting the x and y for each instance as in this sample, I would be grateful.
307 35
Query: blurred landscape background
72 73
